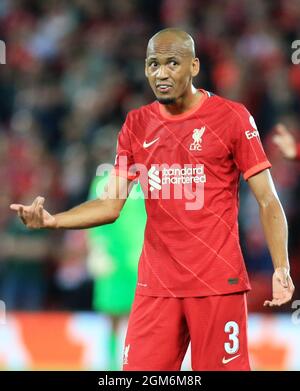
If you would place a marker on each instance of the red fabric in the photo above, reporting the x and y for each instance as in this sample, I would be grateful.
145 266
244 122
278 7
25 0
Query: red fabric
191 252
298 152
160 329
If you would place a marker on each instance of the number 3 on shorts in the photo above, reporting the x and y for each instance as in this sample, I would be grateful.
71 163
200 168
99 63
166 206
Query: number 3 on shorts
232 329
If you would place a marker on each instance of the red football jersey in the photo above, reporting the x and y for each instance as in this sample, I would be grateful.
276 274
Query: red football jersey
189 167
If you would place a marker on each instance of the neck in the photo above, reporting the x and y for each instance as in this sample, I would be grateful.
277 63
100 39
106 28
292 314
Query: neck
184 103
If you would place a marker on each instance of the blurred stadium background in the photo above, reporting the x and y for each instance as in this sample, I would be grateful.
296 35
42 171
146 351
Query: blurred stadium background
74 69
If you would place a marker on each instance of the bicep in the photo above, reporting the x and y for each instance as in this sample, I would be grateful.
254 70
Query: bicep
262 186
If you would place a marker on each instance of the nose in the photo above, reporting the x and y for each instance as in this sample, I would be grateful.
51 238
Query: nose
162 73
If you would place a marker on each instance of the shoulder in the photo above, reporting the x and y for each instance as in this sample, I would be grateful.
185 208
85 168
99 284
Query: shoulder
235 109
141 113
235 115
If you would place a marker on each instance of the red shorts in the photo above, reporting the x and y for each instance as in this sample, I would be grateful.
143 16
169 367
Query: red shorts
160 329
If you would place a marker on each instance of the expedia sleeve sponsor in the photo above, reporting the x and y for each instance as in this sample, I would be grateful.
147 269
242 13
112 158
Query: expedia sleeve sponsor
247 149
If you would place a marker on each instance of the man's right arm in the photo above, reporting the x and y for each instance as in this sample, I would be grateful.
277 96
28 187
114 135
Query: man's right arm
89 214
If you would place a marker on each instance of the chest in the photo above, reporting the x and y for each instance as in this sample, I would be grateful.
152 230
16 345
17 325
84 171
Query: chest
192 141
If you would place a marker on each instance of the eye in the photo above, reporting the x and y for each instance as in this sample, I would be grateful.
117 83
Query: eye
173 63
153 64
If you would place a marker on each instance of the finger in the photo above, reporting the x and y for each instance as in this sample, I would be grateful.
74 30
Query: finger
278 302
15 206
21 215
41 215
36 211
267 303
35 201
271 303
31 210
42 200
38 201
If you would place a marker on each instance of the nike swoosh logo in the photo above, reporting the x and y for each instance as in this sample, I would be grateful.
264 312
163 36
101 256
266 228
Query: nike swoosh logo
146 145
227 360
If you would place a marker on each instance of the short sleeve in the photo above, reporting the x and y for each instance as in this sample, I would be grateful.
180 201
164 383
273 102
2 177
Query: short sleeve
247 149
124 161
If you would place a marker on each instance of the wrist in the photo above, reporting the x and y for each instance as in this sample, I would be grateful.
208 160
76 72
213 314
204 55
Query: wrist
55 224
282 268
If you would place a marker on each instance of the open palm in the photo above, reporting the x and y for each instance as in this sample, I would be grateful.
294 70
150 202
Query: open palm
283 288
34 215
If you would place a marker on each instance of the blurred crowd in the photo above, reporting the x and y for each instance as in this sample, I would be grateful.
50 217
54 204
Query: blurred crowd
74 69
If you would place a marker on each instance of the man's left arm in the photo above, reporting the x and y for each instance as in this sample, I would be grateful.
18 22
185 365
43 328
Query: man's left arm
276 233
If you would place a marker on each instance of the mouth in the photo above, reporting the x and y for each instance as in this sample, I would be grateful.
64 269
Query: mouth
163 88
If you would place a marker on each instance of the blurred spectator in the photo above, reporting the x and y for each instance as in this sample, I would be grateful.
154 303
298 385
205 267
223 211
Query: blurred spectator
71 284
23 255
75 68
114 251
286 143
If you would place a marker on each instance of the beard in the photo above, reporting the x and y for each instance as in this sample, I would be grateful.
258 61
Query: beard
167 101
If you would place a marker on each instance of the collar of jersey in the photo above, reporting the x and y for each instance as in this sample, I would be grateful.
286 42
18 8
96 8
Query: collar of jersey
186 114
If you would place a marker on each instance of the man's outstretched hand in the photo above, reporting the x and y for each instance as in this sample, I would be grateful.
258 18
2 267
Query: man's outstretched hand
34 215
283 287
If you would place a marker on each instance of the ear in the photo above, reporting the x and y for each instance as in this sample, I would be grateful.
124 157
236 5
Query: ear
195 66
146 72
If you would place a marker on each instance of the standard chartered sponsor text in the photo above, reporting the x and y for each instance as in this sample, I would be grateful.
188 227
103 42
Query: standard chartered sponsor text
160 181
